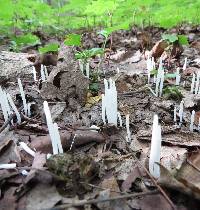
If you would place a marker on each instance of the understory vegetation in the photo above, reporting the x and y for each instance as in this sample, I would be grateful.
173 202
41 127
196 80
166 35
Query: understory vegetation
57 16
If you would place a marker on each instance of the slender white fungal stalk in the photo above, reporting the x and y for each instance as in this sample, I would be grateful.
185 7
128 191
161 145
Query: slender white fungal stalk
185 64
199 125
109 102
87 70
46 72
117 70
27 149
128 137
155 149
193 82
29 109
181 113
50 127
42 73
8 108
197 83
57 137
23 96
34 74
175 114
80 62
178 76
3 100
148 62
53 131
8 166
192 121
11 102
160 79
162 76
120 118
154 79
150 66
157 84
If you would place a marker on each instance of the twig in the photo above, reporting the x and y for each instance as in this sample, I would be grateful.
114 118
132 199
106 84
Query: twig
102 188
31 120
155 183
93 201
9 119
190 163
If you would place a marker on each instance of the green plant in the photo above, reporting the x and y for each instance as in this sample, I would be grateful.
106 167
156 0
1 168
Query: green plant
52 47
73 40
172 92
172 38
20 41
86 54
57 16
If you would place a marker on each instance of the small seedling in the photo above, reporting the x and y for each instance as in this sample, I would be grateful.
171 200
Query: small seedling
52 47
17 43
172 92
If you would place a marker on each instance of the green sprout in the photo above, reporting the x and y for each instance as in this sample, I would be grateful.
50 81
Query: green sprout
52 47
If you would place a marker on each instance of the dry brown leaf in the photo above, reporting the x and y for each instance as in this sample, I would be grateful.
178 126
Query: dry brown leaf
159 48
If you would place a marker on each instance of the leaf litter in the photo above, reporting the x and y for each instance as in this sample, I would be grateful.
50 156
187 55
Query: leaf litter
100 169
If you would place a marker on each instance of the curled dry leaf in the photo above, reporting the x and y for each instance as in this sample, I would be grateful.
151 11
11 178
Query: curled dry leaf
159 48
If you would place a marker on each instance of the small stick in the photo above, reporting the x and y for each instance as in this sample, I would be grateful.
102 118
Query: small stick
93 201
158 186
190 163
103 188
4 126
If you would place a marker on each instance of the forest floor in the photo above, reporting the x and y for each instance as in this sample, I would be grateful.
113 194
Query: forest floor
101 169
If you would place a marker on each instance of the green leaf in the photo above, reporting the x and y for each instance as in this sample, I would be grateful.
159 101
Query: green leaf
154 72
170 37
172 92
73 40
95 51
27 39
94 87
170 76
183 40
105 33
53 47
89 53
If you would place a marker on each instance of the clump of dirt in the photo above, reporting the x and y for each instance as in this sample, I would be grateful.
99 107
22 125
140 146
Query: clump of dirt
75 170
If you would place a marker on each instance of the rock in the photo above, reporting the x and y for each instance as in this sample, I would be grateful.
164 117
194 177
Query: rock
73 169
14 65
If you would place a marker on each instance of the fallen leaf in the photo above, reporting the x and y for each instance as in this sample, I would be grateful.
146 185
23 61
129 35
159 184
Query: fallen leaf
92 100
42 197
154 202
111 183
189 173
127 184
159 48
9 201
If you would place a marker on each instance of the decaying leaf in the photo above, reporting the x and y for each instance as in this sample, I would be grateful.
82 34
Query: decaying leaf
159 48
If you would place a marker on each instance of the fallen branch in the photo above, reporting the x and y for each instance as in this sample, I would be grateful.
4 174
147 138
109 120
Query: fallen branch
43 143
93 201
